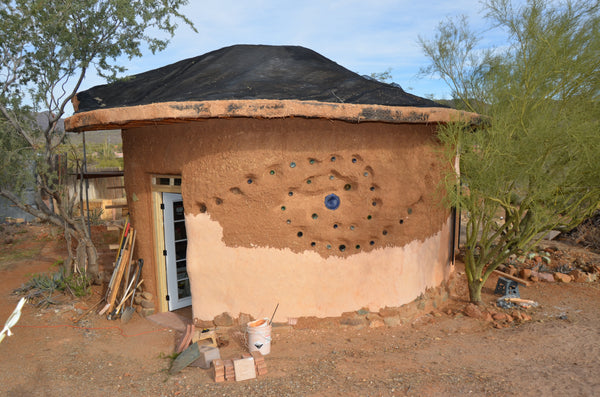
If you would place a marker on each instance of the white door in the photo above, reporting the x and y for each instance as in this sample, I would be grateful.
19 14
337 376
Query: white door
178 283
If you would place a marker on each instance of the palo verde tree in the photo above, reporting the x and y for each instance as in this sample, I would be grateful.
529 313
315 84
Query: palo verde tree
46 49
533 165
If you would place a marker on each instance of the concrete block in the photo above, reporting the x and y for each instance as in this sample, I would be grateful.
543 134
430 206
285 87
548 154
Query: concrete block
207 355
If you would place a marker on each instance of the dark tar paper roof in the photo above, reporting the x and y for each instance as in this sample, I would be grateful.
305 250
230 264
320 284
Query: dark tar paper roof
248 72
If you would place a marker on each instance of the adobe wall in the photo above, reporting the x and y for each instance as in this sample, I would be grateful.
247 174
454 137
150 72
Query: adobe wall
259 229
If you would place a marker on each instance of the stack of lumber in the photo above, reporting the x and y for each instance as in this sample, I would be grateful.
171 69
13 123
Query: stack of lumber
120 288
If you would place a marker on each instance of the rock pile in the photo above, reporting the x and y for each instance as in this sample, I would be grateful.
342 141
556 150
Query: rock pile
144 304
552 265
498 318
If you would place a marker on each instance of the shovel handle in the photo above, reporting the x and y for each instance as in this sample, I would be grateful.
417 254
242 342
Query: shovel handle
137 277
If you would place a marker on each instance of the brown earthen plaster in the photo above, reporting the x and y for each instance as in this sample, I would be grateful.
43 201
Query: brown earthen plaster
176 112
217 159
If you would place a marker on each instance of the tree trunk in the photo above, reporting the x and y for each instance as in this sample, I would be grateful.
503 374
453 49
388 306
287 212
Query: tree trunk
475 291
85 257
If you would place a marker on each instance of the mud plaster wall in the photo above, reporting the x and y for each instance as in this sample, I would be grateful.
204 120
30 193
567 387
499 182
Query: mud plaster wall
263 226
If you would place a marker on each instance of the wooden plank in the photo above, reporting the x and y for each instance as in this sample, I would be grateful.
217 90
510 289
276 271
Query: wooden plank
120 271
111 206
128 264
99 174
113 247
513 278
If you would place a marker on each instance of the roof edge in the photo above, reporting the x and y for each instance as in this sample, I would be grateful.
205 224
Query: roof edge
176 112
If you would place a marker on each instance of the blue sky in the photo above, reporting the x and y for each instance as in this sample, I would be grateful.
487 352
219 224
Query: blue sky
363 36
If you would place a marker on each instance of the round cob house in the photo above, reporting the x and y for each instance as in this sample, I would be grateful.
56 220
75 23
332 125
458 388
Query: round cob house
258 175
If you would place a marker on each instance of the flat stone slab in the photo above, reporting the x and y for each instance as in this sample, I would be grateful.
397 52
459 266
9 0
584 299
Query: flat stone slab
171 320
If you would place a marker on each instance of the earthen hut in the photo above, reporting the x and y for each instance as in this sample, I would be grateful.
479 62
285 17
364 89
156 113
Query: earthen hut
258 175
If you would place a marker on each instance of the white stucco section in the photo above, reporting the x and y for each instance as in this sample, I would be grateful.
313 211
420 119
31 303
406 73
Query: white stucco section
253 280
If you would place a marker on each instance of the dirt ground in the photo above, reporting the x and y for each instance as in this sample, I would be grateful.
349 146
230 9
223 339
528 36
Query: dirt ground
433 351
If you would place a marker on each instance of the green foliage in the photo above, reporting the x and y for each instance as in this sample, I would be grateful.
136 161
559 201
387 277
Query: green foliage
384 77
96 216
41 287
46 49
533 164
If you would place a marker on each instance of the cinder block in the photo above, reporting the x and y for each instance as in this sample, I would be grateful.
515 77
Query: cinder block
207 355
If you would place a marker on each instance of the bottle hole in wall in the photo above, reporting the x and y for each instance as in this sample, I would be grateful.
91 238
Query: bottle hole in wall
300 234
332 201
342 248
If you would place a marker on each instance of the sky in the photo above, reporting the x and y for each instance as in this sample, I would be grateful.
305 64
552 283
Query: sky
363 36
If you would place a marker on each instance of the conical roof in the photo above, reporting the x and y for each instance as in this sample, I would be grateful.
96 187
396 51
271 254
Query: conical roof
249 72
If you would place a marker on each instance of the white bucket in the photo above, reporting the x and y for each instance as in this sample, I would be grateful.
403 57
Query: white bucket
258 334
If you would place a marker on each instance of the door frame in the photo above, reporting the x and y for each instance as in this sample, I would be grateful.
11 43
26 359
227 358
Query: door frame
172 277
161 184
